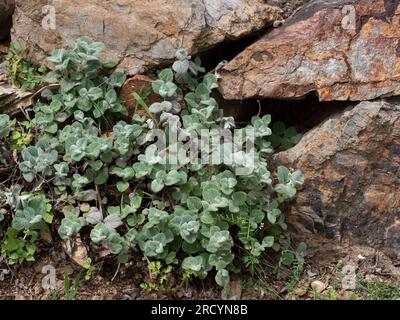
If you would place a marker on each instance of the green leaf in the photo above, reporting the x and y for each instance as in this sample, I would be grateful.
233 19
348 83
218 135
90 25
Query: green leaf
298 178
135 220
283 174
220 261
222 277
188 231
301 250
180 66
48 218
202 92
287 258
113 221
122 186
116 243
157 216
268 242
272 215
99 233
124 173
117 79
194 203
192 263
175 177
166 75
157 185
71 224
208 218
153 248
95 93
286 190
96 165
210 81
101 177
111 96
31 213
159 107
278 128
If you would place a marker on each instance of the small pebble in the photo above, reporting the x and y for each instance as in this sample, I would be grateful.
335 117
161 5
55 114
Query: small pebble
318 286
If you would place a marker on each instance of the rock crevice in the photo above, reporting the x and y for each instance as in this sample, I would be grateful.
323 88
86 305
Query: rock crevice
6 11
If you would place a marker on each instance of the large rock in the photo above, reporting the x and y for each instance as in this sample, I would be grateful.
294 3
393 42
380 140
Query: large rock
12 99
351 164
339 49
139 34
288 6
6 11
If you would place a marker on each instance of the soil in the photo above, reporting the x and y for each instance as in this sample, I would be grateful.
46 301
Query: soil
112 282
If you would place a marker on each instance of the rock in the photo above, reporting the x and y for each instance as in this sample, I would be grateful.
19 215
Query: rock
288 6
349 295
142 85
301 291
76 250
6 11
85 207
318 286
338 49
139 34
235 290
132 293
13 99
19 296
46 236
351 164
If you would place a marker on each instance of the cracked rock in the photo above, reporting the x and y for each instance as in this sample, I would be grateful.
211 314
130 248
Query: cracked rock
351 166
338 49
139 34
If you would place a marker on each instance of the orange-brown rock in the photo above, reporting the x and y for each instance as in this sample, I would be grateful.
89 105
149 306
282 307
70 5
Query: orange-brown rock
351 164
339 49
142 85
138 34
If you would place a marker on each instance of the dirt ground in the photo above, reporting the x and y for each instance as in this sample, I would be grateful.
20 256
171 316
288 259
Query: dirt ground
376 278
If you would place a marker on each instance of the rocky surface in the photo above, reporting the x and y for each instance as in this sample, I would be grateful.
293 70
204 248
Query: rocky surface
6 10
351 164
288 6
142 85
12 99
139 34
339 49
